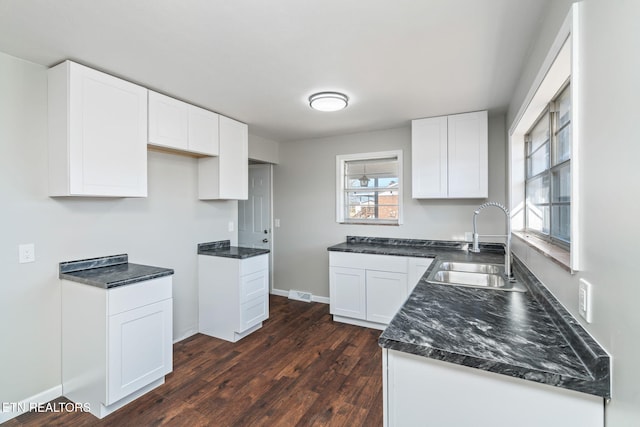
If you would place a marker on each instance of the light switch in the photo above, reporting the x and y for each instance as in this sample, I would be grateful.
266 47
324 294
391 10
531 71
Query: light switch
277 222
26 253
231 226
585 300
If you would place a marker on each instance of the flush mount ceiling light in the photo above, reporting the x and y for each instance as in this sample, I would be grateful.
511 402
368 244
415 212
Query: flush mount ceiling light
328 101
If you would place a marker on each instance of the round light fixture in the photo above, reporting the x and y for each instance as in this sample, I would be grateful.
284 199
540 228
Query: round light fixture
328 101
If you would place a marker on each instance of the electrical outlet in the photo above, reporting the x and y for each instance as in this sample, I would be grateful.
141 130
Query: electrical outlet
26 253
277 222
585 300
468 236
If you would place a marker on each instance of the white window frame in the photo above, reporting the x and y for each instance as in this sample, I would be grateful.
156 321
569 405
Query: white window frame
562 62
341 159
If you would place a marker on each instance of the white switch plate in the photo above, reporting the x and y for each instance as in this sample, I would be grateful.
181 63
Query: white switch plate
277 222
26 253
468 236
585 300
231 226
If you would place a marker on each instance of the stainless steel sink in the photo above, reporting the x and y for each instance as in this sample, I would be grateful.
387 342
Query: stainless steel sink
471 267
475 275
470 279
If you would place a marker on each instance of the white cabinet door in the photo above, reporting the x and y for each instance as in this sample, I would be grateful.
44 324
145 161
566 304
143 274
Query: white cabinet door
168 122
420 391
234 159
203 131
429 157
449 156
139 349
347 292
386 292
97 134
226 176
417 268
468 155
180 126
254 285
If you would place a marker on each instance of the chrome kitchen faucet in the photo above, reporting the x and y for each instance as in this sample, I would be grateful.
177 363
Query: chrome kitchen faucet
476 248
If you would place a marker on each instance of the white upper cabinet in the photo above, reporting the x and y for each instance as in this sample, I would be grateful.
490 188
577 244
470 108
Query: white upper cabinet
97 134
180 126
226 176
450 156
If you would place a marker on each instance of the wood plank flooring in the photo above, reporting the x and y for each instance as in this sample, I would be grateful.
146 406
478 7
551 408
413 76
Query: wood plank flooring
300 369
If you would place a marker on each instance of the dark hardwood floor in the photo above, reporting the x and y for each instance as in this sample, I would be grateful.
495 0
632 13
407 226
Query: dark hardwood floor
300 369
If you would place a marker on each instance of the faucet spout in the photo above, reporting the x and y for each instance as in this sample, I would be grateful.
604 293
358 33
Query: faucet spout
476 237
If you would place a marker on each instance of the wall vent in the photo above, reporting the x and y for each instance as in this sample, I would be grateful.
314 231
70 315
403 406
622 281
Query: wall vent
300 295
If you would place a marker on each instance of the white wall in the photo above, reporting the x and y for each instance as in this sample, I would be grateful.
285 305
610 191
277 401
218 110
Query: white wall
305 199
162 229
609 205
263 149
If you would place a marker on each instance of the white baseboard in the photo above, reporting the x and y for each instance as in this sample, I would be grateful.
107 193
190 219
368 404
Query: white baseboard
315 298
185 335
13 409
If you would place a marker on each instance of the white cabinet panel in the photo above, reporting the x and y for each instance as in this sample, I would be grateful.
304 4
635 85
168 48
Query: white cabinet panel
348 292
97 134
449 156
226 176
468 155
233 295
429 157
180 126
117 343
168 122
138 350
421 391
386 292
417 268
203 131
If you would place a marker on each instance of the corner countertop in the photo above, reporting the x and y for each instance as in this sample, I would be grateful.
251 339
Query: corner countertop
223 248
525 335
109 271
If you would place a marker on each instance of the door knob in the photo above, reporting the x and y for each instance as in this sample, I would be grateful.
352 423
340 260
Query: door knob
265 240
266 231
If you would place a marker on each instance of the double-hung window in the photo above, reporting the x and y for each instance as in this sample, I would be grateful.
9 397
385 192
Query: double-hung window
369 188
548 172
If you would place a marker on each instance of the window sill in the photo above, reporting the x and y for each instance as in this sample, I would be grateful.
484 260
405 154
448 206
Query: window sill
559 255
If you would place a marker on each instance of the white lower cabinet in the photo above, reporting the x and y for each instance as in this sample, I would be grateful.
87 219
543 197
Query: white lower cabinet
368 290
233 295
117 344
418 391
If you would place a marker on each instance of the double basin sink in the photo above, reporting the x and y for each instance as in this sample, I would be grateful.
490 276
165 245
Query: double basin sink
474 275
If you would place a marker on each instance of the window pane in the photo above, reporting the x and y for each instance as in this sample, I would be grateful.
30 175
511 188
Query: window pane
562 184
539 161
538 190
563 145
538 218
539 134
561 222
564 107
372 205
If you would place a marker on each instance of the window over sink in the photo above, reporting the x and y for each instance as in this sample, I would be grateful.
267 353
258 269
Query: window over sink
369 188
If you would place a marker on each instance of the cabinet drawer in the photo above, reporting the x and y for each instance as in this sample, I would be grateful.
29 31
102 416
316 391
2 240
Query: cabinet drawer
136 295
253 285
396 264
253 312
253 264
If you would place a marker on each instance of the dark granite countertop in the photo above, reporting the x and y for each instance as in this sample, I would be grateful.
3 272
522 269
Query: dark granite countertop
525 335
109 272
224 249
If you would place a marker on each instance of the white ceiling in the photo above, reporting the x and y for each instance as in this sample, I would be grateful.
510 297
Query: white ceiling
258 60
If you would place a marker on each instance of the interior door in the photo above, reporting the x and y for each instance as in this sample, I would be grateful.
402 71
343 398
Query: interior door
254 214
